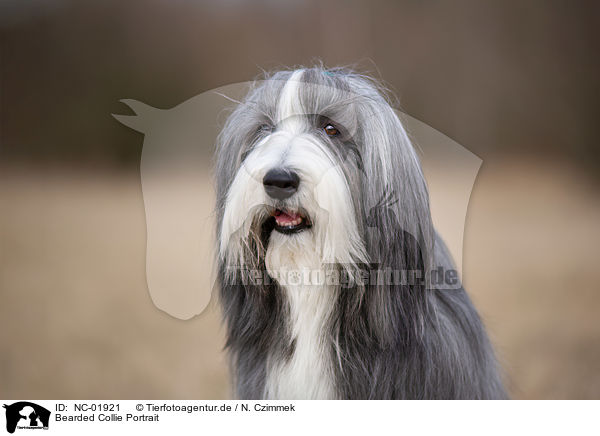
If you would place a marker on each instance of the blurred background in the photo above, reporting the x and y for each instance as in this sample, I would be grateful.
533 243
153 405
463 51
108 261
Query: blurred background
514 82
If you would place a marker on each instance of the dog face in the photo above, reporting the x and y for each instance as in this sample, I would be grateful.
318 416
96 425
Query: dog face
301 164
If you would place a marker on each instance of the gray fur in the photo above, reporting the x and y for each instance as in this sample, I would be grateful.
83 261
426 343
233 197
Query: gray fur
414 341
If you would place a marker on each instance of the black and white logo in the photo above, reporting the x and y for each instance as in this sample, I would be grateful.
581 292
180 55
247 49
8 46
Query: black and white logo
26 415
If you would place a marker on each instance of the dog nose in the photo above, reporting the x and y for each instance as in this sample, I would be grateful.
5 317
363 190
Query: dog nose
281 184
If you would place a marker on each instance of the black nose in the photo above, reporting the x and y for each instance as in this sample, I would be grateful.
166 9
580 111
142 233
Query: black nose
281 184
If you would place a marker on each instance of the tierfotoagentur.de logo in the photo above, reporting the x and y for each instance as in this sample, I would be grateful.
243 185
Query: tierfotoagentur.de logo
24 415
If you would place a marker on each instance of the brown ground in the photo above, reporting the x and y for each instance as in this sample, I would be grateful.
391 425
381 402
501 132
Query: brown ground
76 320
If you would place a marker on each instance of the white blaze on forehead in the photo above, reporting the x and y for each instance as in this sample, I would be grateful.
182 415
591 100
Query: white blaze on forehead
289 107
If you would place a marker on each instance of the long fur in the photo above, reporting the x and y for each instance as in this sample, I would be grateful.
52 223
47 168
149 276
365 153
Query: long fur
366 195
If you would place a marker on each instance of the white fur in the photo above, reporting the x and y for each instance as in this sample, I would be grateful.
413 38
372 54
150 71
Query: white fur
308 373
289 108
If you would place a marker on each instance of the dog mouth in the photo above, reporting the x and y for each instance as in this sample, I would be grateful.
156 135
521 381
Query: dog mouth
288 221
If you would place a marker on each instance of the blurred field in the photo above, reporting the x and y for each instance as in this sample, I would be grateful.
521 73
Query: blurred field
76 320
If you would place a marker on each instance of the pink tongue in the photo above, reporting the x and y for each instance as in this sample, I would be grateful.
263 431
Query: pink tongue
283 218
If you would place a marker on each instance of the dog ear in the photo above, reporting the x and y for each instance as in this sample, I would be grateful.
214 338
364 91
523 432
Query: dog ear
399 231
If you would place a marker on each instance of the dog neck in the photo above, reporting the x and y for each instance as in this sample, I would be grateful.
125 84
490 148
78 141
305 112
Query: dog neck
295 263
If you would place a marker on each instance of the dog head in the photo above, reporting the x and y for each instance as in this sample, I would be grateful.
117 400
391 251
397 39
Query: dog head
316 161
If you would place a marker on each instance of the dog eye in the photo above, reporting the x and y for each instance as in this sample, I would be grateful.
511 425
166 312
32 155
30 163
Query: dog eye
264 128
331 130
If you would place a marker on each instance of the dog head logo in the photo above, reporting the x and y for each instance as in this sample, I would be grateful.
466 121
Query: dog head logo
26 415
177 187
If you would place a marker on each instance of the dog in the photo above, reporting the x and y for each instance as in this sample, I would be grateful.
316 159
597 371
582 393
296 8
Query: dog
319 190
